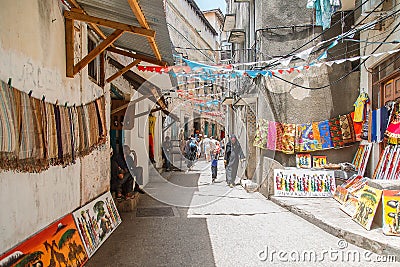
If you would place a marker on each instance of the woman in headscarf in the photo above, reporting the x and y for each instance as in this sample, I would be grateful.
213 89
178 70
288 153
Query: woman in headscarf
233 155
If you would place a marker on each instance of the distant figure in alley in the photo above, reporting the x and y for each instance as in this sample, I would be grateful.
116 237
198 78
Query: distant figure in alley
233 155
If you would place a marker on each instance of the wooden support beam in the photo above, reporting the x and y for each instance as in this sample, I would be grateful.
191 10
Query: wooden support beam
134 101
122 71
137 56
102 69
138 13
69 47
155 109
142 21
158 98
95 52
110 24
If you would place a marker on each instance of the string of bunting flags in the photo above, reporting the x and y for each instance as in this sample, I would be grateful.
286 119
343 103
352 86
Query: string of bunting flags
211 72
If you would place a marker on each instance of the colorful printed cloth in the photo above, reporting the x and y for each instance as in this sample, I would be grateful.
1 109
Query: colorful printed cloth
393 131
360 107
317 136
365 126
288 138
271 145
357 126
279 135
325 134
305 138
336 132
346 126
261 137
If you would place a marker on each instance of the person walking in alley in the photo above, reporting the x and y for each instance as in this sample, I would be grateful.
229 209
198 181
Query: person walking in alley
207 148
233 154
214 165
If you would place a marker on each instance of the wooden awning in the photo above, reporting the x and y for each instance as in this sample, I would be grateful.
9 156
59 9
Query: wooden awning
147 89
128 28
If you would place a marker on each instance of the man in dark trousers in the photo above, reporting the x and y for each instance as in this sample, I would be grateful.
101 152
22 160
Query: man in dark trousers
233 155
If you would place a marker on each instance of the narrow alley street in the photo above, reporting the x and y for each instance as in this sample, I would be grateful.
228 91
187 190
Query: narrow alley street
235 228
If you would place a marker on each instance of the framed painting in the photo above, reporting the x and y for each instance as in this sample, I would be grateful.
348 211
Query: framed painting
59 244
96 221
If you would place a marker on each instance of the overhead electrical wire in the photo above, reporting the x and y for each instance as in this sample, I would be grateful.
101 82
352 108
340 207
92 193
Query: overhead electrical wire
324 31
344 76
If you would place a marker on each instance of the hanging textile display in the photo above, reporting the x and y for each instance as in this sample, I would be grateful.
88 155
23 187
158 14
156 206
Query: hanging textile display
325 134
9 134
393 130
35 134
271 145
357 126
360 107
261 137
279 134
346 127
316 136
305 138
51 133
336 133
288 137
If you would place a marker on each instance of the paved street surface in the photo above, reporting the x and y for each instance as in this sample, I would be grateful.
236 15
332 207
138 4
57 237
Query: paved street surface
220 226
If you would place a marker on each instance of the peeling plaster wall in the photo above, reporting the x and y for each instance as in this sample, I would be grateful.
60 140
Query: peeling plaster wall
32 53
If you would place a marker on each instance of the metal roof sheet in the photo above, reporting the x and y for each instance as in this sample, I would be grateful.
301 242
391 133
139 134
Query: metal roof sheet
120 11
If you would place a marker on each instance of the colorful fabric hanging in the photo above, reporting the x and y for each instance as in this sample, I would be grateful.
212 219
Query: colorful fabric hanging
336 132
288 138
261 137
347 129
360 107
279 135
317 136
305 137
325 134
271 145
357 126
393 130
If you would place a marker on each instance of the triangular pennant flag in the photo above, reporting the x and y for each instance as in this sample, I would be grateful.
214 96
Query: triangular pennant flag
305 54
323 55
329 63
285 61
280 71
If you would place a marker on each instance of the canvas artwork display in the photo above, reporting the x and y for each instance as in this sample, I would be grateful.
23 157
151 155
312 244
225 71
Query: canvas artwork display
341 194
304 183
57 245
350 206
391 212
361 157
367 204
319 161
303 161
96 221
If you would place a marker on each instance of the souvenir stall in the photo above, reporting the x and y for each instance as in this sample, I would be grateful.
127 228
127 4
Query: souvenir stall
360 196
313 176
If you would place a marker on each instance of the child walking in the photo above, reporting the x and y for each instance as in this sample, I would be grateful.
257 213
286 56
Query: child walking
214 165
